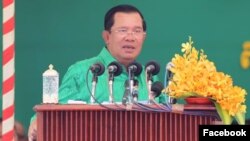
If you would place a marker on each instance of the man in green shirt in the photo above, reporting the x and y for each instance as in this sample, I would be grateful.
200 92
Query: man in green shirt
124 34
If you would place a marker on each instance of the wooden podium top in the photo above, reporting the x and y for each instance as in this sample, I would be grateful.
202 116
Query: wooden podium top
52 107
176 108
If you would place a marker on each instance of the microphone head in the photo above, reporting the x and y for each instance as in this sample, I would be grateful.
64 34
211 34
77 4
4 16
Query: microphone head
169 65
156 67
135 67
97 68
157 88
168 71
115 67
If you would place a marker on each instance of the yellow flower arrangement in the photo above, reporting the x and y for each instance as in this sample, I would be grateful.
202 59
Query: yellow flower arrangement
195 75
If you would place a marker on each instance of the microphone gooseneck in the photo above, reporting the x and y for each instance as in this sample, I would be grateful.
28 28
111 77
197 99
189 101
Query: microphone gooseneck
169 76
151 68
128 97
135 91
126 93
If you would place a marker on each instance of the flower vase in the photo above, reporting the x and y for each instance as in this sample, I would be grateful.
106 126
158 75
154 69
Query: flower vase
224 115
198 100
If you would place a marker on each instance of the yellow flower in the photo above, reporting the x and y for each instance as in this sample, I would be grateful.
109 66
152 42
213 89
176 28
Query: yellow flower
195 75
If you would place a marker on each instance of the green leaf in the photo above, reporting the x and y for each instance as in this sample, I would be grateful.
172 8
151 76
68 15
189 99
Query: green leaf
240 118
224 115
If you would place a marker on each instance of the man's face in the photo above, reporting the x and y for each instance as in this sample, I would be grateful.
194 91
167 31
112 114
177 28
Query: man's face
126 37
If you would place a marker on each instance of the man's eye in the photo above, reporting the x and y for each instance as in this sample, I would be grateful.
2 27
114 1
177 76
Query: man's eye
138 31
123 31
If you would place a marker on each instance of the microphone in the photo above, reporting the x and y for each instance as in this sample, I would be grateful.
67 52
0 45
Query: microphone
135 68
156 89
114 69
152 67
169 72
97 68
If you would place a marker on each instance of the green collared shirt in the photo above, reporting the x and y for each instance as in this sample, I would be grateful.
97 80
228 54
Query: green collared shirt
77 82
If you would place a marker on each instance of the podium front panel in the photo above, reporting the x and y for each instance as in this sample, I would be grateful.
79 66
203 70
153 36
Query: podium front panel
95 123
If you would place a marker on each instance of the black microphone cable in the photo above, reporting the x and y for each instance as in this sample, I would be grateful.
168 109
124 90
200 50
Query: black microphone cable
163 106
147 107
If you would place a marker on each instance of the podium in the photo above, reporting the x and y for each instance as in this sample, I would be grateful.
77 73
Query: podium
116 123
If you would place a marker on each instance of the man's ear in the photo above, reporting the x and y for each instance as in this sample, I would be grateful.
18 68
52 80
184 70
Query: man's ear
105 36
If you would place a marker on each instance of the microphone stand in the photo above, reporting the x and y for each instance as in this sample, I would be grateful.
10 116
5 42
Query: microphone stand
111 79
149 83
94 81
135 91
131 86
126 93
169 76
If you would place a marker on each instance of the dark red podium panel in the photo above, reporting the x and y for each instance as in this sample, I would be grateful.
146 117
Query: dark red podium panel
97 123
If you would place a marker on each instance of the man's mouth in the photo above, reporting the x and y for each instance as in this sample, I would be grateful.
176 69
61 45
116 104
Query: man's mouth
128 47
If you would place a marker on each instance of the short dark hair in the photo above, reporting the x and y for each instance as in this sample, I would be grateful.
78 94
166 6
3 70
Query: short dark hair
109 17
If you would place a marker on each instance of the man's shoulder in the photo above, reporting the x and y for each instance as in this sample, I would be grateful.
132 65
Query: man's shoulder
88 61
83 64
